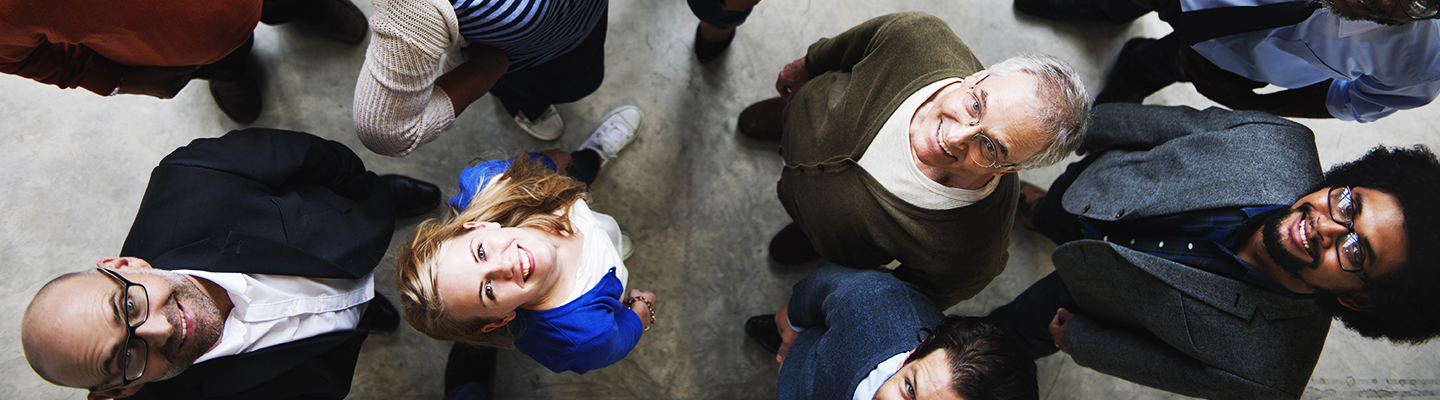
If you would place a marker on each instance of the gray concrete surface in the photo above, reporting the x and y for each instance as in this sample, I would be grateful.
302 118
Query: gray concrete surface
698 199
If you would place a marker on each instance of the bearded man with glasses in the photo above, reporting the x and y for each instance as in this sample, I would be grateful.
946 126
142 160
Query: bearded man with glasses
1353 60
264 244
1204 253
900 146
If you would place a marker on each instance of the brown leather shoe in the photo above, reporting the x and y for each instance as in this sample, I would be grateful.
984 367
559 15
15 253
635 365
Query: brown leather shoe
343 21
791 246
1030 196
762 121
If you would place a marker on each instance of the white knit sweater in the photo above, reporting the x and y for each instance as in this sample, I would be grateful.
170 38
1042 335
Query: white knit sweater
397 105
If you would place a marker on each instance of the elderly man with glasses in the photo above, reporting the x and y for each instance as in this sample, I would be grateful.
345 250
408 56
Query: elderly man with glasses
1204 253
902 148
263 244
1347 59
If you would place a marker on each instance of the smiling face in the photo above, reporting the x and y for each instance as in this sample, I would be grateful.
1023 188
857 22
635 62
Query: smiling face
490 271
1387 12
943 131
74 332
1304 242
927 378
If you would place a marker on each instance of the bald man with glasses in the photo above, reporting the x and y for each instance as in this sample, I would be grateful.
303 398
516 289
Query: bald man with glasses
1204 252
263 244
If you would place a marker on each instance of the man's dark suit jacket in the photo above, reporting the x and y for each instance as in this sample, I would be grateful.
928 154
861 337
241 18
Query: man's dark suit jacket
1166 325
270 202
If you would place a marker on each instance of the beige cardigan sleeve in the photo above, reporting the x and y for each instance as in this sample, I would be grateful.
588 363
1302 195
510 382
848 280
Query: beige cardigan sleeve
397 105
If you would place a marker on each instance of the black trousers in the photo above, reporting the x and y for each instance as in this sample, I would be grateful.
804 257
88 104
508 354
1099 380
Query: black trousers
1028 317
272 12
1147 65
567 78
584 166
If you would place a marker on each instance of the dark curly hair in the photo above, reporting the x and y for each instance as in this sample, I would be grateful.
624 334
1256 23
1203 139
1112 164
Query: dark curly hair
1404 305
985 363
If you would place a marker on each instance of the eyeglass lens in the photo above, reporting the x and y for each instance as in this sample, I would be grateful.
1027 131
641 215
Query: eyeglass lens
1420 9
136 307
1342 210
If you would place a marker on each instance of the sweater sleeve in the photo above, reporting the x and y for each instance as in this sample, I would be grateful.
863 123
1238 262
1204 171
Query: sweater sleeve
397 105
64 65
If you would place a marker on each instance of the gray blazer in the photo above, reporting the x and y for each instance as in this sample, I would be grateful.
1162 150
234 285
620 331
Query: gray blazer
1170 326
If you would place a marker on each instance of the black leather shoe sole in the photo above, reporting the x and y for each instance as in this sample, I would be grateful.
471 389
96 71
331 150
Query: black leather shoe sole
762 328
380 317
413 197
238 98
791 246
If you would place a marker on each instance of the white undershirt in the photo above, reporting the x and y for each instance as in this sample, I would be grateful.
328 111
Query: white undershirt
867 387
600 251
277 309
903 178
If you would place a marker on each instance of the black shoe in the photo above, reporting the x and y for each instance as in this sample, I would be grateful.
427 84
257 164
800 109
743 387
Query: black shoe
380 317
791 246
1030 196
762 328
763 120
238 97
341 20
413 197
1082 10
470 365
709 51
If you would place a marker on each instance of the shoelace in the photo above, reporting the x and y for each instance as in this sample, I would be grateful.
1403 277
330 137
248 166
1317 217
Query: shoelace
612 134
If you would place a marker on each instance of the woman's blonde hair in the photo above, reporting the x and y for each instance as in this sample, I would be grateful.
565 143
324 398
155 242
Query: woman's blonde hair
526 195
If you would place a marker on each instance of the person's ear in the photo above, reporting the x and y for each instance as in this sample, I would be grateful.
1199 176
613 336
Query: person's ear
498 323
119 263
480 224
977 74
115 393
1356 301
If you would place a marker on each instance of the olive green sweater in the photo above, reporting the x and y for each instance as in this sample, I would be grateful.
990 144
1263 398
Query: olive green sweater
860 78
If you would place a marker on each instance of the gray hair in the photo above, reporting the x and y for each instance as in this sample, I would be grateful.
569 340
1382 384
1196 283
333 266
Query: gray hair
1068 108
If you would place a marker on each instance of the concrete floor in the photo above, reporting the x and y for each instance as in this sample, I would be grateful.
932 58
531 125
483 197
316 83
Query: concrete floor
698 199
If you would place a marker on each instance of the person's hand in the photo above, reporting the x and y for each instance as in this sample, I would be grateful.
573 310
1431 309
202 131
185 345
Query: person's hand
561 159
158 82
787 335
1057 327
737 5
791 78
641 308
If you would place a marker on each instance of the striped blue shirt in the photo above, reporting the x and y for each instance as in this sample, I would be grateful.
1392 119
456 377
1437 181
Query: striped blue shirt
530 32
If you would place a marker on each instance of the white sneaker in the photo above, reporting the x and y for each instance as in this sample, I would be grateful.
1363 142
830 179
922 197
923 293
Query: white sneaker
627 245
548 126
616 130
